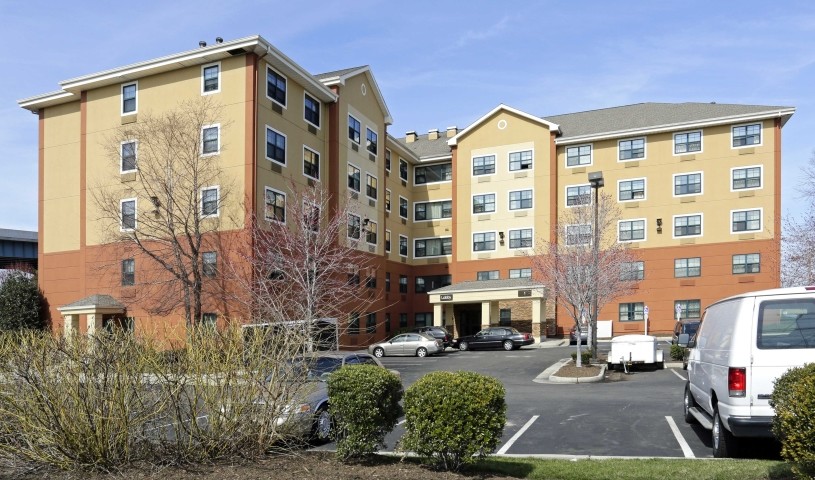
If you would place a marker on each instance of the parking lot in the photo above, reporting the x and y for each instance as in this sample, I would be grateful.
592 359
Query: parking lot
635 415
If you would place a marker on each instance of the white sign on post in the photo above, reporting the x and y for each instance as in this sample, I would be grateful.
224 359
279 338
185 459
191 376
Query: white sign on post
678 311
645 314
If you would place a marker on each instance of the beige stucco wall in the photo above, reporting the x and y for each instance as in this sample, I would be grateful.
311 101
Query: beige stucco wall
61 149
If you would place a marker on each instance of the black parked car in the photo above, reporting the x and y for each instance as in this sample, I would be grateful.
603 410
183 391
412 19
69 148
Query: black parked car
437 332
507 338
584 335
684 326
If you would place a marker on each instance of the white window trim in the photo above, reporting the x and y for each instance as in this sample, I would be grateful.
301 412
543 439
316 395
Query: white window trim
360 131
285 206
732 136
319 107
122 98
472 242
204 67
644 149
368 174
306 205
532 167
360 178
693 214
388 248
644 230
508 239
135 214
375 132
761 178
566 155
348 230
566 233
217 213
366 227
745 232
509 200
136 152
431 183
429 238
701 181
644 187
285 153
407 243
566 195
430 201
266 89
472 164
216 152
472 200
701 142
388 154
400 207
388 193
319 161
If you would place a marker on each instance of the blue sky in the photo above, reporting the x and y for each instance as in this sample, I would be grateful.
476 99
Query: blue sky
437 63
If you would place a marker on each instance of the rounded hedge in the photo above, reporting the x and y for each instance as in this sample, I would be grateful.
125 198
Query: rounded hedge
794 424
454 417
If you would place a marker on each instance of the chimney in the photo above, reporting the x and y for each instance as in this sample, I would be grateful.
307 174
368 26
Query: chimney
433 134
219 40
452 131
410 136
202 44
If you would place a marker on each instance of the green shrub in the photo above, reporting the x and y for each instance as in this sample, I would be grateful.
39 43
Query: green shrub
364 404
454 417
794 425
20 301
677 352
585 357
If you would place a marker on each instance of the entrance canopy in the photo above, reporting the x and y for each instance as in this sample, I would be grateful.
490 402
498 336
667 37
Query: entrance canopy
92 308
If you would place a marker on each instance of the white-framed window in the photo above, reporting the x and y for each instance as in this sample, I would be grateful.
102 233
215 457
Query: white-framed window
746 263
578 234
211 78
275 206
689 308
437 210
403 207
431 247
745 220
403 245
520 238
130 97
483 241
520 160
631 190
442 172
311 110
311 163
631 230
354 224
579 156
746 135
311 216
387 199
687 142
631 149
746 178
275 146
354 129
484 203
209 264
371 189
687 267
577 195
210 201
388 245
353 177
371 141
520 199
483 165
275 86
128 155
387 160
210 139
371 232
632 271
687 225
687 184
403 169
520 273
488 275
127 207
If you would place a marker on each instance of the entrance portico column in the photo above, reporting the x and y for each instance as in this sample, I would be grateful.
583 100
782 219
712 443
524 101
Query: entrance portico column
70 324
538 319
438 316
486 318
94 323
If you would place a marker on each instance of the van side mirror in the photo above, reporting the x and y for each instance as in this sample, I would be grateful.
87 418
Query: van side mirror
683 340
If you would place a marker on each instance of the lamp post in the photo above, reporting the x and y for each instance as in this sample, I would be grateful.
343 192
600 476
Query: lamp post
596 182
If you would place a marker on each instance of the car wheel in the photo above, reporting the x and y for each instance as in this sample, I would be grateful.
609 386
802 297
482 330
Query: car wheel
508 345
572 342
321 430
463 346
421 352
379 352
688 403
724 443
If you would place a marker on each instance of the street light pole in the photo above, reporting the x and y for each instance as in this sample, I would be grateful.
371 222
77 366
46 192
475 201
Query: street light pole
596 181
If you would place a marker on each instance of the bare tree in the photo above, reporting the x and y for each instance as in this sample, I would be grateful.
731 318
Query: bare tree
570 272
170 209
798 238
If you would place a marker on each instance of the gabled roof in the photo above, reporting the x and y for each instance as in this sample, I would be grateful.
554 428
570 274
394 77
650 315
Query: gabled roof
104 303
643 118
395 143
551 126
426 149
339 77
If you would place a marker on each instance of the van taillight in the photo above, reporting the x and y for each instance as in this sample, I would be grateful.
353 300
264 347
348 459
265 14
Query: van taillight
737 381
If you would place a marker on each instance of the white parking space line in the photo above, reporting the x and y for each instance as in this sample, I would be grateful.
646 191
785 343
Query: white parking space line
678 375
679 438
517 435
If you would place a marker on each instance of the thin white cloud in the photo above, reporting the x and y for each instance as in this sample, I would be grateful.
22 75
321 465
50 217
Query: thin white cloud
473 36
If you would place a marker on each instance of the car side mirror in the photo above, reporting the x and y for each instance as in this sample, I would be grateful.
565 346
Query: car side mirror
683 340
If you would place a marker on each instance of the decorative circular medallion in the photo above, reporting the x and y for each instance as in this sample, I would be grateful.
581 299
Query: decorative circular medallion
364 89
502 124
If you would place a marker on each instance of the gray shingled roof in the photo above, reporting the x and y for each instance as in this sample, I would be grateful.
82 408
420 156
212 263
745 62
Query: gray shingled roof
337 73
426 148
648 115
104 301
474 285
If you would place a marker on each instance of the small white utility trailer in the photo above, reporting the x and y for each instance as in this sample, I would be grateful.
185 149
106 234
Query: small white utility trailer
629 350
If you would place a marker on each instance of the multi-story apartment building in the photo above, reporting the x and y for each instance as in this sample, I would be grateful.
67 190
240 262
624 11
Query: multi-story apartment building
455 212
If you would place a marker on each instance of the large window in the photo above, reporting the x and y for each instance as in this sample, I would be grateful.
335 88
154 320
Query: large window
746 221
578 156
578 195
688 184
484 241
353 178
311 163
687 267
632 312
353 226
128 272
687 142
520 238
129 98
371 188
311 110
786 324
442 172
746 135
748 177
210 201
210 79
210 140
427 283
354 129
487 275
484 203
276 86
387 160
578 234
687 225
631 149
387 241
403 245
403 207
275 146
432 210
370 323
128 157
632 271
209 264
484 165
424 319
520 160
371 142
747 263
689 308
432 247
387 200
520 273
632 189
371 233
520 199
275 209
128 209
631 230
403 169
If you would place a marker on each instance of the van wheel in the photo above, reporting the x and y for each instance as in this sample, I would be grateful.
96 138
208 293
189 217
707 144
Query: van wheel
724 443
688 403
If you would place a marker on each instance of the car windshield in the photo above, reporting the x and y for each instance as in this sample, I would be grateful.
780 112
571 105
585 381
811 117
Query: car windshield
691 328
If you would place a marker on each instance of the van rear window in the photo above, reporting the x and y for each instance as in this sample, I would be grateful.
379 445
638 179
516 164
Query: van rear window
786 324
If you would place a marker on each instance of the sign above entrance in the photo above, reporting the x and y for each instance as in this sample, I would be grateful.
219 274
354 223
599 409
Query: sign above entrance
524 293
446 297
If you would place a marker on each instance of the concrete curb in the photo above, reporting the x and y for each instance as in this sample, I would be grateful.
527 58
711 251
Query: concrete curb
548 375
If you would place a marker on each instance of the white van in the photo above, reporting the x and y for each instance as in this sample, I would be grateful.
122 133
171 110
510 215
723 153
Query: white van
743 344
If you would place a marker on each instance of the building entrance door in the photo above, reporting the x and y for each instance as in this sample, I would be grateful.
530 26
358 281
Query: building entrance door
469 319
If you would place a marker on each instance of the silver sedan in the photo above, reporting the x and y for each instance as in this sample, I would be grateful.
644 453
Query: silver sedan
418 344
